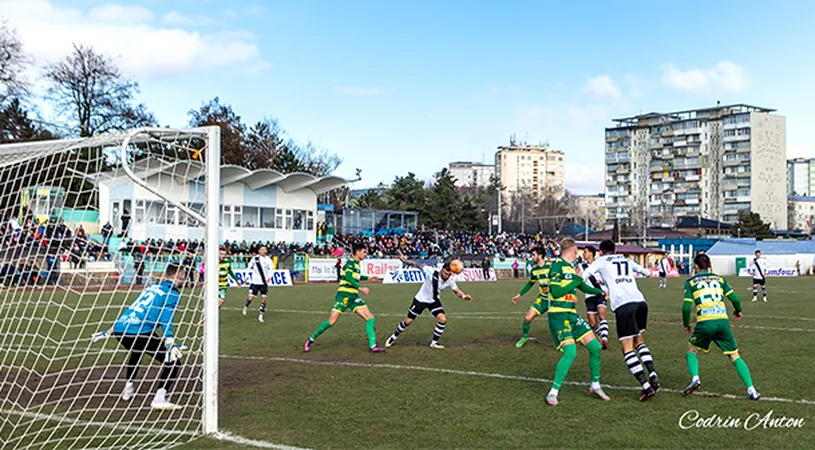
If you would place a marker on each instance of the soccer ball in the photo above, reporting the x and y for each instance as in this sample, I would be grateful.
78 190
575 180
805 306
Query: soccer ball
456 266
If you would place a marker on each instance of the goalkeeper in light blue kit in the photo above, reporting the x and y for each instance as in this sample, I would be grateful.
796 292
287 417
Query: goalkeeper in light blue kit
136 328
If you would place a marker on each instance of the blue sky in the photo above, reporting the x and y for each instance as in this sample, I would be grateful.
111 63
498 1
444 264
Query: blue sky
398 86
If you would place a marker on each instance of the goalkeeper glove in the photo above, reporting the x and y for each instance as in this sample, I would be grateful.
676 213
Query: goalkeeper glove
99 336
173 352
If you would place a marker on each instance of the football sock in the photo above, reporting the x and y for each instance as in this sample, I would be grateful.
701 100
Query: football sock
645 357
602 329
320 330
400 328
594 349
755 292
248 302
764 290
526 326
438 331
693 365
133 365
262 307
168 375
562 369
744 372
369 330
636 369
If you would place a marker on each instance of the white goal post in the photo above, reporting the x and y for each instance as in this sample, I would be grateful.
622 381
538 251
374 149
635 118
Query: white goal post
92 229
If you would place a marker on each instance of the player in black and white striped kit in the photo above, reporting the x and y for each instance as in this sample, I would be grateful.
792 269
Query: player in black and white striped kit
595 304
664 268
429 297
261 268
759 266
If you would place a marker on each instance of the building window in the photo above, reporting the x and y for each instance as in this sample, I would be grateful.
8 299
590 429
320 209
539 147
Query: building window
278 219
267 217
140 211
289 221
299 219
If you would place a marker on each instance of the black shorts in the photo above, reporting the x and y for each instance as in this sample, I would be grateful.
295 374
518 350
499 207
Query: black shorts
663 275
258 289
417 308
593 302
761 282
150 344
631 319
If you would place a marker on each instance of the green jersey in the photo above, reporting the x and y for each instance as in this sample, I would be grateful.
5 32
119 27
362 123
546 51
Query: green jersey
224 272
707 291
538 276
351 276
563 280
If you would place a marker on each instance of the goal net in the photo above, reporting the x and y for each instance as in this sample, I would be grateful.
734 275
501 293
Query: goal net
89 229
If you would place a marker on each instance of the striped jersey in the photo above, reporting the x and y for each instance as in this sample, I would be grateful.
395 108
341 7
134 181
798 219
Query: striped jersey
224 272
351 276
540 276
707 291
562 273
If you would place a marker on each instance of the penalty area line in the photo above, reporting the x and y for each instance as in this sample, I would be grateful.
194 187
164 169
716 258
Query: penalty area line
494 375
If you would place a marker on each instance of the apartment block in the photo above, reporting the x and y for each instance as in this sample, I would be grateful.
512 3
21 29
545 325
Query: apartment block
711 162
801 177
471 174
536 169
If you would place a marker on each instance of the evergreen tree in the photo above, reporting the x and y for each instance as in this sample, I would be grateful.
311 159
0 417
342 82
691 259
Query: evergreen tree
751 225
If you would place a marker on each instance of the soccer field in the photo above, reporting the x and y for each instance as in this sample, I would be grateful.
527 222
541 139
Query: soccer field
482 392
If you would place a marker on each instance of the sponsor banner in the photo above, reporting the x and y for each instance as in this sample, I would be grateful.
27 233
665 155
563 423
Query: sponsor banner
378 267
473 274
402 276
774 272
322 269
276 278
672 272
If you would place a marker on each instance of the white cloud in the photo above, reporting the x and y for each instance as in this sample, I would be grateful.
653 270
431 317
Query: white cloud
356 91
725 76
585 179
602 87
126 33
181 19
114 13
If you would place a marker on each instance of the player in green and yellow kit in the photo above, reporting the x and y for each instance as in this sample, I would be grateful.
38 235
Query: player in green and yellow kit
539 276
706 291
564 323
348 298
224 272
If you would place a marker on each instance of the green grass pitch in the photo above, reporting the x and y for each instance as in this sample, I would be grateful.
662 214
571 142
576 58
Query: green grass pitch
482 392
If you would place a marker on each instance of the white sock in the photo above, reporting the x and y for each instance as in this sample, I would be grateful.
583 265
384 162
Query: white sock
752 390
646 385
553 392
595 385
161 395
694 379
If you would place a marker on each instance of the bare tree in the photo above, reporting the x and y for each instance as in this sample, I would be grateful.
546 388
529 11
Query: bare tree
91 89
13 62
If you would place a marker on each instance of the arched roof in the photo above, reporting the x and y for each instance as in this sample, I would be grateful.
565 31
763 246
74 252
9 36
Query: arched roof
254 179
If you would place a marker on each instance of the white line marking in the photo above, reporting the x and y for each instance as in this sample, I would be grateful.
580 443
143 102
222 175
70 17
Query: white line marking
491 375
229 437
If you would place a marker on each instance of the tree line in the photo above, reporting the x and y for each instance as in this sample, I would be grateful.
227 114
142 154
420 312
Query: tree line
92 96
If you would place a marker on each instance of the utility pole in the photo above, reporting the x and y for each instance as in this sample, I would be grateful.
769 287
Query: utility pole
500 188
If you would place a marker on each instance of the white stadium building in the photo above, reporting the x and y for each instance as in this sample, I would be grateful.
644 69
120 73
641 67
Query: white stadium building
259 205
